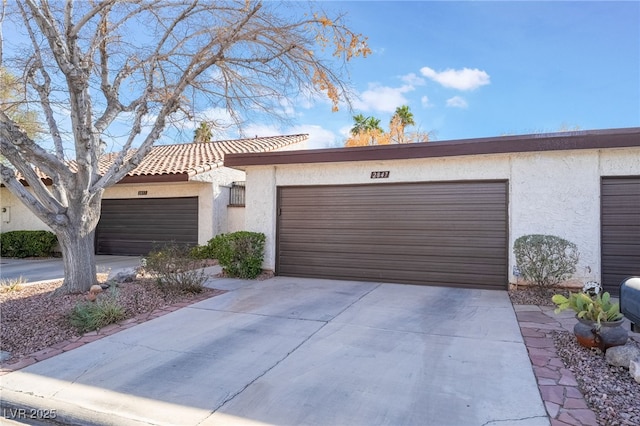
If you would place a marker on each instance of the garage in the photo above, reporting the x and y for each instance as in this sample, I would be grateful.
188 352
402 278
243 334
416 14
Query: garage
134 226
620 230
444 233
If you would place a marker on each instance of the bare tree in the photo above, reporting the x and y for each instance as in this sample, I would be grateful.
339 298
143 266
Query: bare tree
149 62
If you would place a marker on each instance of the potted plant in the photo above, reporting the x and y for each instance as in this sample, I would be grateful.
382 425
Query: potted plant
599 319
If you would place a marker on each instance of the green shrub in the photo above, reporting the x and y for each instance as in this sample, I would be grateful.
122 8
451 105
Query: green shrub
89 316
175 269
210 250
241 253
27 243
545 260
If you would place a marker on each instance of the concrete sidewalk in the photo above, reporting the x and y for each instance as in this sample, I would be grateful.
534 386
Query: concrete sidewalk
290 351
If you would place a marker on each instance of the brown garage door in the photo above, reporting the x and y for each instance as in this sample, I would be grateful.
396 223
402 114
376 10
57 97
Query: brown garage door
620 219
452 234
134 226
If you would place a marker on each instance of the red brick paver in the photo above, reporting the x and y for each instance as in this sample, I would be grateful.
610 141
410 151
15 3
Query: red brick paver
562 398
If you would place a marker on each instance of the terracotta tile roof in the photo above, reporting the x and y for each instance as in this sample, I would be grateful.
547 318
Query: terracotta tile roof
194 158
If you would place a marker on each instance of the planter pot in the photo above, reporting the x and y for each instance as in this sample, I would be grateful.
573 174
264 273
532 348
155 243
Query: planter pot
611 333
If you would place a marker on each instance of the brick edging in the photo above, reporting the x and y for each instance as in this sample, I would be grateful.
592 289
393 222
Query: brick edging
563 399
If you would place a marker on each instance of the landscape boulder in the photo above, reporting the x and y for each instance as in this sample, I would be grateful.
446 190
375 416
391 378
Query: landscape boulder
634 369
125 277
621 356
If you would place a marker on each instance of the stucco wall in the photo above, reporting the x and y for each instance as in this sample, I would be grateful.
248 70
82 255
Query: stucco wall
235 219
17 217
549 192
220 181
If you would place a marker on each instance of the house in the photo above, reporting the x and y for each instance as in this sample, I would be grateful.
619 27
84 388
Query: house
178 193
448 213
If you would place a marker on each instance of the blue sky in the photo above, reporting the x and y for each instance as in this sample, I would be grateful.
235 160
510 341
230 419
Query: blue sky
477 69
472 69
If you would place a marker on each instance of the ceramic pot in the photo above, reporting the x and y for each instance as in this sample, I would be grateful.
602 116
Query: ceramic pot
611 333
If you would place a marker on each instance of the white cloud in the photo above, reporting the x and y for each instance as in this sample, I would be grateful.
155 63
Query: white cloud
319 137
425 102
464 79
457 102
261 130
345 131
382 98
413 80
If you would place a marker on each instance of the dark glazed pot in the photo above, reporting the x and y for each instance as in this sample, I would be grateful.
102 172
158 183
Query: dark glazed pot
611 333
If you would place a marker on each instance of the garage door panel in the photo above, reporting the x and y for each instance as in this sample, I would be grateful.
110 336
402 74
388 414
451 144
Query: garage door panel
452 279
470 216
435 264
620 230
459 247
417 225
136 226
434 188
414 232
424 200
383 235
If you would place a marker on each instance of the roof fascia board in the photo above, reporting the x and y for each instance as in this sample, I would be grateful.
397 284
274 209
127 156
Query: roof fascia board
594 139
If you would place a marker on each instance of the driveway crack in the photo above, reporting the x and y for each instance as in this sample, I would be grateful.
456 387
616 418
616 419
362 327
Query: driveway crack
324 323
510 421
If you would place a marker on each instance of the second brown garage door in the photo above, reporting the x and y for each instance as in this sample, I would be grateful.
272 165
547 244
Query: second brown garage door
452 233
620 198
135 226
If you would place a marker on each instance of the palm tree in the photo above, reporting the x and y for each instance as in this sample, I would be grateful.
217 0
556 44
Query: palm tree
365 124
403 117
406 116
373 124
359 124
203 133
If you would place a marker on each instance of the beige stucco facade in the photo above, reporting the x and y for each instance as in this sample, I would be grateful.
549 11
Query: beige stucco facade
550 192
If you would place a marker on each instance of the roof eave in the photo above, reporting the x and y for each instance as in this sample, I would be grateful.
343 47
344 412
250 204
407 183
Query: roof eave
592 139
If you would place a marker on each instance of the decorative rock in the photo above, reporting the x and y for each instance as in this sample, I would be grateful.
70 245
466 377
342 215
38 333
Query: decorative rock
634 369
621 356
125 277
95 289
4 355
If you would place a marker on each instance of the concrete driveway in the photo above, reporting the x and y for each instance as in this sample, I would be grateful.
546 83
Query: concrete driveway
290 351
34 270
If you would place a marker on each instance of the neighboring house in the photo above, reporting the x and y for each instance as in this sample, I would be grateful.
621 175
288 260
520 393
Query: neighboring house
178 193
448 213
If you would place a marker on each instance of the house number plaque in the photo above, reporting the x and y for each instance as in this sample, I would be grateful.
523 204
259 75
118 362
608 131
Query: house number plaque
380 175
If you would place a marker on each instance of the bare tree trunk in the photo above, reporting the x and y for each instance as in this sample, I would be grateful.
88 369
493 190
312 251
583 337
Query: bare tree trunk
76 240
79 261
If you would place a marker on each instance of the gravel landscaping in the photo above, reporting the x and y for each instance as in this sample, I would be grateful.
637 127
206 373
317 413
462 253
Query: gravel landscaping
31 319
611 392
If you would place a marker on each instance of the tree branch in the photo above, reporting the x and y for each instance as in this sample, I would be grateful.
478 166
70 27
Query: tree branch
13 138
10 181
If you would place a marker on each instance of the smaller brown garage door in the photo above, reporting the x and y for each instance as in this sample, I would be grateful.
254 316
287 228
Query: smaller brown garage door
449 233
134 226
620 230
